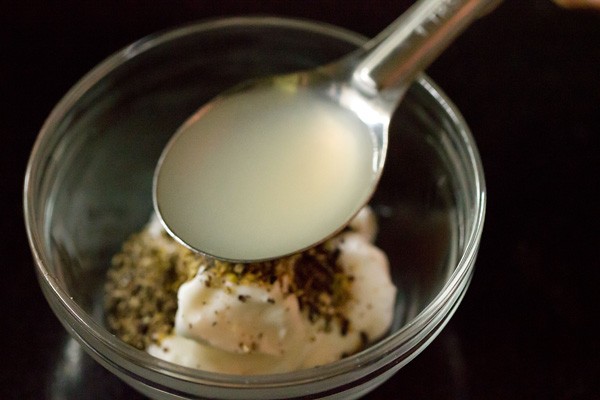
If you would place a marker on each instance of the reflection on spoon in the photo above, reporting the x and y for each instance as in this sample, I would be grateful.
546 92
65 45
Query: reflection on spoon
275 166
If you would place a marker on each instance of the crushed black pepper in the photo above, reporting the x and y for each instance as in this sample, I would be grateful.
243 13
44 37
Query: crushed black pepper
143 280
141 289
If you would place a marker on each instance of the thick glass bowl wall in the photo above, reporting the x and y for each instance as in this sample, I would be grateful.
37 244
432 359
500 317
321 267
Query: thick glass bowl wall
88 187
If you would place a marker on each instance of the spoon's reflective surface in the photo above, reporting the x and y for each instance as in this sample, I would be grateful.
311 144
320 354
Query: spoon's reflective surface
275 166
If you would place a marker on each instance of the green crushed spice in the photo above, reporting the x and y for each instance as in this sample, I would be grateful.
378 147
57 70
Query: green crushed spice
141 289
144 277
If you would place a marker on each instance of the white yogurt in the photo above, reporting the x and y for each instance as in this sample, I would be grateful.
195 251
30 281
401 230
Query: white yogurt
260 329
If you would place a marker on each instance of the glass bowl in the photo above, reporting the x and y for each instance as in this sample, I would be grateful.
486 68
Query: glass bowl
88 186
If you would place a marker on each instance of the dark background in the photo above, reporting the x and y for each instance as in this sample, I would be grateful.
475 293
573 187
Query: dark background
527 79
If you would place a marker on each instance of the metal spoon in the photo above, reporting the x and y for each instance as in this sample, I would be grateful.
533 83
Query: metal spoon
216 195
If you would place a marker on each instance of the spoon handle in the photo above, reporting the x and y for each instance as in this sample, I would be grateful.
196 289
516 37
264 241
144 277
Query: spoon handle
395 56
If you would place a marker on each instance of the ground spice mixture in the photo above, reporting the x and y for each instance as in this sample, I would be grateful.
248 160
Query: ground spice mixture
143 280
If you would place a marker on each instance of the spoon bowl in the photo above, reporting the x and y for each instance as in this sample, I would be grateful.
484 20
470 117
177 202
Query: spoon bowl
300 147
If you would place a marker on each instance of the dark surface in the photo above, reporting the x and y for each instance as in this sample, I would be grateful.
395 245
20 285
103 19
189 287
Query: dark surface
527 79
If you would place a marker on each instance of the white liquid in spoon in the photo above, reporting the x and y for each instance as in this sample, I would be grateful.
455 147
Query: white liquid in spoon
264 173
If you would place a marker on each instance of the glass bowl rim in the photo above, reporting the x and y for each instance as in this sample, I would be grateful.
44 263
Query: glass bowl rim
386 346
